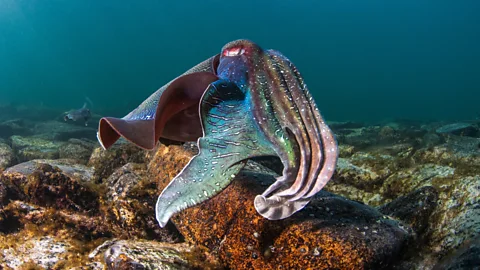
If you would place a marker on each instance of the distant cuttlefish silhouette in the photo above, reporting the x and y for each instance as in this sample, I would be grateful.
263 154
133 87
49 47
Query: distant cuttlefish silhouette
79 114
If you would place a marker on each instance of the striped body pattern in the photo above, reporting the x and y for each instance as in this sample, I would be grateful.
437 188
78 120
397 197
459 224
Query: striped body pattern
259 106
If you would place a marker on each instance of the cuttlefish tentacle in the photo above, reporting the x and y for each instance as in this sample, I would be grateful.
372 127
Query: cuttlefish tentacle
171 112
282 98
312 130
319 166
294 122
286 114
325 146
230 138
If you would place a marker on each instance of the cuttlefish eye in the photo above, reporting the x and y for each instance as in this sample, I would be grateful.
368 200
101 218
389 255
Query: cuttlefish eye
234 51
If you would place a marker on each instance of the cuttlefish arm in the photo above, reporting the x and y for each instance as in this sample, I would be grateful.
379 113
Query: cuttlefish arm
259 107
230 137
171 112
316 155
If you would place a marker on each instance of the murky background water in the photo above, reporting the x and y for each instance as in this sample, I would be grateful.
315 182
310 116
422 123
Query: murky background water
363 60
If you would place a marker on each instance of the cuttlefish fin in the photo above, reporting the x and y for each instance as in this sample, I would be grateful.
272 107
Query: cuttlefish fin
177 103
170 112
140 132
231 136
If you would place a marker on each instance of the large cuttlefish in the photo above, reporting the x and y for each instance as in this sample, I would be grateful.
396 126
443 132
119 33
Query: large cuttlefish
243 103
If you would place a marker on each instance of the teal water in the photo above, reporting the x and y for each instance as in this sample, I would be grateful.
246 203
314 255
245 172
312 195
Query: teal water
362 60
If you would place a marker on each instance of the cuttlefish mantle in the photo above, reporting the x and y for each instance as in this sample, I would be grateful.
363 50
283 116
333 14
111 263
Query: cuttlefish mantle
254 103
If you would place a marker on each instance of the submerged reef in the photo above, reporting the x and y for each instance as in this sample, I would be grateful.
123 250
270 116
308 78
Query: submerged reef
403 196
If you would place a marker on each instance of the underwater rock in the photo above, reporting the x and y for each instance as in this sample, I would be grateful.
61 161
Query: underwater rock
43 183
345 150
461 152
360 175
384 173
357 137
124 254
465 257
408 180
457 218
331 232
462 129
28 148
383 163
80 150
104 162
14 127
61 131
355 175
368 137
387 133
68 167
344 125
35 237
131 197
90 266
457 214
20 220
414 208
43 252
7 158
431 139
3 194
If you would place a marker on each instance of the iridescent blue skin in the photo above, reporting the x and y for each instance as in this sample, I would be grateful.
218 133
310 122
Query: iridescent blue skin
258 106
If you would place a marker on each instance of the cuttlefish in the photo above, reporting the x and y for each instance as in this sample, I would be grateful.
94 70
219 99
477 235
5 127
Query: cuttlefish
79 114
243 103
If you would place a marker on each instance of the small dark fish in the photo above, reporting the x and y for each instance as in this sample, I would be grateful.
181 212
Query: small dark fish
80 114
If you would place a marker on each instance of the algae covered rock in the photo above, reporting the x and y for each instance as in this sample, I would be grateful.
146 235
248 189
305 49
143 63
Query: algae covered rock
329 228
463 129
461 152
43 252
360 175
355 175
56 200
466 256
104 162
122 254
414 177
131 196
28 148
33 237
68 167
7 156
414 208
45 184
358 137
420 211
80 150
